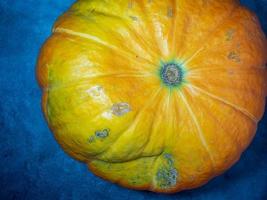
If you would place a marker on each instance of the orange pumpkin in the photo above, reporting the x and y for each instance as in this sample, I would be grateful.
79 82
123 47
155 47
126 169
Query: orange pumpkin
154 95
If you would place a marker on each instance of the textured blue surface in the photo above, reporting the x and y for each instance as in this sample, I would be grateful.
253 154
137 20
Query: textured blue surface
32 166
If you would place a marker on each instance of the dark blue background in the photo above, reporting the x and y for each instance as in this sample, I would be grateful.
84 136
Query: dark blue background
32 165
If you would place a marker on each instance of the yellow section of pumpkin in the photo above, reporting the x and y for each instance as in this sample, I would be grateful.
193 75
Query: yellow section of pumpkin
104 99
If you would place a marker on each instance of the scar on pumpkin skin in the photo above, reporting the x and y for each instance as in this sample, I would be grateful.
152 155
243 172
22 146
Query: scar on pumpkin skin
134 18
170 12
102 134
234 56
91 139
166 176
136 180
120 109
130 4
230 34
99 134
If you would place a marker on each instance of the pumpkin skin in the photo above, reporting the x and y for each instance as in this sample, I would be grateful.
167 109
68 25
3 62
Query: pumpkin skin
154 95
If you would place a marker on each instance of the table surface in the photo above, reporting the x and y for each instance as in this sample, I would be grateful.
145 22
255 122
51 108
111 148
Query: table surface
33 166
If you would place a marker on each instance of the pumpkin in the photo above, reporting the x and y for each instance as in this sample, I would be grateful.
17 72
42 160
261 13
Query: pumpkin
154 95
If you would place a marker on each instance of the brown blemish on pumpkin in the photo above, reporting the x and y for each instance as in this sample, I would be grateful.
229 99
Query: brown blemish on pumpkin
130 4
134 18
234 56
91 139
230 34
136 180
170 12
